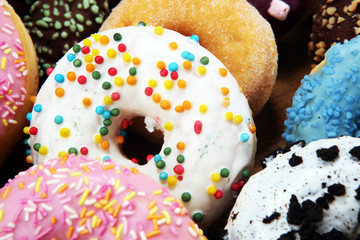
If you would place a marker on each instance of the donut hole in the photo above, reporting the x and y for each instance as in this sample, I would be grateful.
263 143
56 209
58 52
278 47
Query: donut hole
138 143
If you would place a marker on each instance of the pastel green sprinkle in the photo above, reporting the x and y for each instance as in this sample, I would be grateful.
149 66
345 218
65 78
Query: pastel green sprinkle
77 62
167 151
204 60
76 48
180 159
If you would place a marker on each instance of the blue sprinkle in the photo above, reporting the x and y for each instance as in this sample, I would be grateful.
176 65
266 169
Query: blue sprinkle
244 137
163 175
38 108
188 56
157 157
29 116
173 66
122 133
106 114
59 78
70 57
99 110
195 38
58 119
105 158
28 152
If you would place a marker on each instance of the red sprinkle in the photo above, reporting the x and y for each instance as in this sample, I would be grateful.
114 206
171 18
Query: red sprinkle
148 91
33 131
99 59
131 122
82 79
163 72
174 75
134 160
149 157
122 47
115 96
218 194
180 178
84 150
124 124
49 71
178 169
197 126
85 49
112 71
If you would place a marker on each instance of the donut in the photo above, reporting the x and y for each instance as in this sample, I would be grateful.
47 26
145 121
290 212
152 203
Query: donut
80 198
55 26
305 192
333 22
177 86
284 15
327 102
18 77
233 31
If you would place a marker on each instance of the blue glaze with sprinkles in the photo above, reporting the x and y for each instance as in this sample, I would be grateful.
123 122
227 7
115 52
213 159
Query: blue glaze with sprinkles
327 104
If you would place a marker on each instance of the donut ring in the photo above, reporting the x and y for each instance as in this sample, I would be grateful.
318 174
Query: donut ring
313 193
234 31
177 85
326 104
18 77
78 198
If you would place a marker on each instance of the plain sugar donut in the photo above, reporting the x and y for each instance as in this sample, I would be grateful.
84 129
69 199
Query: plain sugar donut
234 31
177 85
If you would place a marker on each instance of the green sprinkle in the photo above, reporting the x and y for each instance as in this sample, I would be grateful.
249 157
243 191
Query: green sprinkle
46 13
79 17
57 25
115 112
106 85
67 23
167 151
117 37
39 34
45 6
64 34
56 12
96 75
77 62
99 20
86 4
142 24
160 164
186 197
88 23
107 122
72 150
47 19
37 146
224 172
197 217
132 71
55 36
42 23
95 9
204 60
180 159
104 131
245 173
67 15
76 48
72 28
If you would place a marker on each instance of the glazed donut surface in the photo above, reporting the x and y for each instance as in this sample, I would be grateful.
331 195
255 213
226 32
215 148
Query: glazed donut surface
234 31
177 85
79 198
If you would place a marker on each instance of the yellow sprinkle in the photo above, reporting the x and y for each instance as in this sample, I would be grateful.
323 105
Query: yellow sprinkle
153 210
21 185
3 63
111 53
86 180
152 83
7 51
168 84
7 190
5 122
127 57
167 216
95 52
153 233
119 230
130 196
75 174
226 101
26 130
238 119
88 58
194 228
159 30
107 100
171 180
43 150
152 204
228 116
203 108
87 42
93 221
157 192
1 214
201 70
117 184
98 138
38 184
65 132
62 153
85 168
84 196
216 177
168 126
211 190
110 204
119 81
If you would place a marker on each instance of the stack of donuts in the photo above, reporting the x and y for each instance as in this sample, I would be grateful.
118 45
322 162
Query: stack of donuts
151 123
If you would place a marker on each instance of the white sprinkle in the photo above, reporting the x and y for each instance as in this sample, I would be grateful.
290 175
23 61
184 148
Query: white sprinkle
15 55
9 26
23 90
143 235
161 221
89 202
46 207
29 209
120 190
141 194
81 228
65 200
7 236
192 232
5 30
31 203
27 216
53 181
96 190
10 78
133 234
69 209
6 13
79 184
37 230
74 216
59 176
68 221
4 46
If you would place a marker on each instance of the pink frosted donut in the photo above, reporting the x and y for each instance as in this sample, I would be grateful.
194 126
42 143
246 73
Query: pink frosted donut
18 77
79 198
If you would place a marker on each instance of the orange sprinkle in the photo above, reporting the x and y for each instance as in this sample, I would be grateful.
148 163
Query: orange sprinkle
111 211
84 232
59 92
90 67
104 40
156 97
32 99
136 61
179 108
85 168
187 65
152 204
83 212
20 53
19 60
181 83
225 91
53 220
98 222
108 195
29 159
63 188
173 46
135 170
149 217
7 190
98 205
103 202
223 72
70 232
120 139
21 185
71 76
82 221
131 80
165 104
180 146
155 224
252 128
107 167
187 105
43 195
160 65
32 172
193 227
105 144
226 101
90 214
117 210
52 170
86 101
153 233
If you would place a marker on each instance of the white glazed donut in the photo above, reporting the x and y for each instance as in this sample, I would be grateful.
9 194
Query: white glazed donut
177 85
79 198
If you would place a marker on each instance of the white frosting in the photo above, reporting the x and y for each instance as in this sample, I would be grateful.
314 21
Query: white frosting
270 191
218 146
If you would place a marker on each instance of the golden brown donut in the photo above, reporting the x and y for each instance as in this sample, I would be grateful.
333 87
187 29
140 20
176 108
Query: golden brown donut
18 77
234 31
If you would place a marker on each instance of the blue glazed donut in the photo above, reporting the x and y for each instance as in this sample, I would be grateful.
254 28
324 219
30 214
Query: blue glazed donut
326 105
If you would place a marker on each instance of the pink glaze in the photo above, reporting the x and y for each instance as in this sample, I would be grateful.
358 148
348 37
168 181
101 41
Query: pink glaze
78 198
12 70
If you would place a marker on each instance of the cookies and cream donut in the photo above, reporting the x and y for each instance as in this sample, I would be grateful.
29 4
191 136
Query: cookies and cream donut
79 198
234 31
327 102
305 192
177 86
18 77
